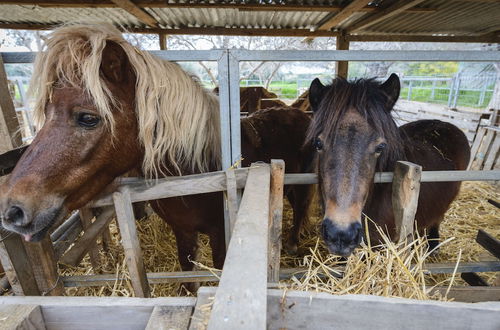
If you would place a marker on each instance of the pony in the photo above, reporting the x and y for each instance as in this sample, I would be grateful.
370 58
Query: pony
256 98
354 135
108 108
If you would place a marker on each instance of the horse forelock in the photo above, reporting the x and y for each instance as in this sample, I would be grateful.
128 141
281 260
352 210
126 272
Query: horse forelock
365 97
178 119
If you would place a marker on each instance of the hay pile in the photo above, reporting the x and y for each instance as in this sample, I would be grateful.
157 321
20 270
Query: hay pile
384 272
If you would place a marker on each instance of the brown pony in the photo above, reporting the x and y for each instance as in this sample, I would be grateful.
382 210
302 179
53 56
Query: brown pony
355 135
256 98
108 108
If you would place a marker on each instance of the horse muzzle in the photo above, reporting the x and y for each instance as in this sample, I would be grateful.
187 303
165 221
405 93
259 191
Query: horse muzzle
33 226
341 240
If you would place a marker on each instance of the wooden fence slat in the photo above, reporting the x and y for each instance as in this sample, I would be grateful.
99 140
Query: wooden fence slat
42 257
16 265
78 251
492 154
130 242
86 216
275 218
170 317
205 298
21 317
475 146
490 243
482 150
246 259
405 190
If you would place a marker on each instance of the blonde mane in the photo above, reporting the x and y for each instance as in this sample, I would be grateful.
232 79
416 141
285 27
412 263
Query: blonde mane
178 119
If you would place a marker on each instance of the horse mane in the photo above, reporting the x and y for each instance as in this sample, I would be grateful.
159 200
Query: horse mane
368 99
178 119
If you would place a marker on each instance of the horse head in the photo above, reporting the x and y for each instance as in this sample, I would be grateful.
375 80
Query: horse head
77 151
354 134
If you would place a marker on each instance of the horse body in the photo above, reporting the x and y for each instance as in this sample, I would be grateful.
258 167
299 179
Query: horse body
108 108
355 135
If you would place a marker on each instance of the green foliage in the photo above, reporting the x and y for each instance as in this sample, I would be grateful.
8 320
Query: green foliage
432 69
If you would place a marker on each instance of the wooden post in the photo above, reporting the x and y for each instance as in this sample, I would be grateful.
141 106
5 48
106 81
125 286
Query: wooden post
342 67
275 219
246 259
130 241
405 190
9 125
163 40
44 263
16 264
86 216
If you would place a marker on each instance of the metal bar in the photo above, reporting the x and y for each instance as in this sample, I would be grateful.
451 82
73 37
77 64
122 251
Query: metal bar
304 55
234 94
225 113
363 55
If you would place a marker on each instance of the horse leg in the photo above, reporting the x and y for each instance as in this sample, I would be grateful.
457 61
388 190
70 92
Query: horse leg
187 246
300 198
433 238
218 245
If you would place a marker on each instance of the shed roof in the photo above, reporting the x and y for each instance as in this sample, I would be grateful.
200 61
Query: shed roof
358 20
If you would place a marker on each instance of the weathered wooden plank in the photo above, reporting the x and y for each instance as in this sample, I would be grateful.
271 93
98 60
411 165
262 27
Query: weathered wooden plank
16 265
489 242
309 310
63 228
21 317
470 294
42 257
483 149
9 125
67 238
108 313
201 314
169 318
8 160
492 153
130 241
473 279
275 219
475 146
405 190
78 251
86 216
245 259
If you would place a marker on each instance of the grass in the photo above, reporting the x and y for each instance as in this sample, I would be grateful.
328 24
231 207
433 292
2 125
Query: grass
465 98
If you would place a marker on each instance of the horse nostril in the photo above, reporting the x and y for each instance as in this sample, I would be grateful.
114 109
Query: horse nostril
357 232
15 215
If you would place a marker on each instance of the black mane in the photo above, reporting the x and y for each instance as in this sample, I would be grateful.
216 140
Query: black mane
366 96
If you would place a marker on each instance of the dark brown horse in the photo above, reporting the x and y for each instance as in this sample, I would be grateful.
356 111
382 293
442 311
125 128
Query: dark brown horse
256 98
354 134
107 109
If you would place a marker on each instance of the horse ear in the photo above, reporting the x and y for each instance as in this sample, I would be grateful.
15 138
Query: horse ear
114 62
316 92
391 87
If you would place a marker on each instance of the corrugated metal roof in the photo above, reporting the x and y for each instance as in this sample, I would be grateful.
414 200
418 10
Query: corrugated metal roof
452 17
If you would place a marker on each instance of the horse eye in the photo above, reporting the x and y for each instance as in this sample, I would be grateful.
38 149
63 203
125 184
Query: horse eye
380 148
88 120
318 144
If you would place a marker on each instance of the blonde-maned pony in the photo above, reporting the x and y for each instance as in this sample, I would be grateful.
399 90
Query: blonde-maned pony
178 119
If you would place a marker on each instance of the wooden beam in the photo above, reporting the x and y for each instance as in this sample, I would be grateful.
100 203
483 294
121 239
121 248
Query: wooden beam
231 203
405 190
44 263
275 219
86 216
136 11
16 265
9 125
394 9
490 243
342 67
163 37
131 244
21 317
246 259
341 16
488 38
9 159
169 317
166 4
